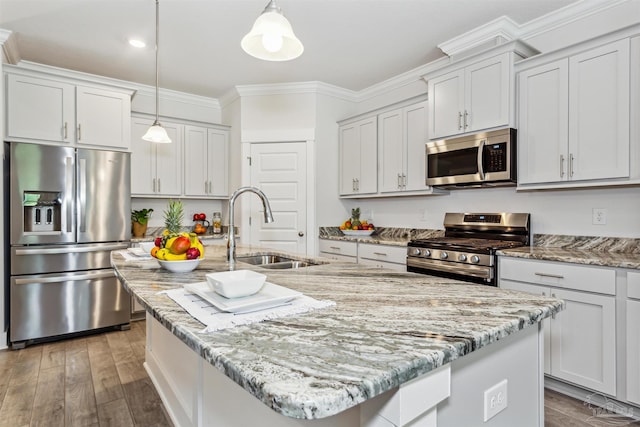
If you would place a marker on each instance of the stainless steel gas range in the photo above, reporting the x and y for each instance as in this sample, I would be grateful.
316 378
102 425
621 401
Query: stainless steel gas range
468 249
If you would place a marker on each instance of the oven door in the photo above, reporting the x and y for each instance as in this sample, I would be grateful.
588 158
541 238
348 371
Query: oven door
484 275
452 162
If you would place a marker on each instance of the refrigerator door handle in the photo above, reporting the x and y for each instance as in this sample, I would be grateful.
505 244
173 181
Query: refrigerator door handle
69 192
84 249
82 194
69 278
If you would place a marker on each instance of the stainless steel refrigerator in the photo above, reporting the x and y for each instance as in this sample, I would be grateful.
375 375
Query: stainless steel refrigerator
68 209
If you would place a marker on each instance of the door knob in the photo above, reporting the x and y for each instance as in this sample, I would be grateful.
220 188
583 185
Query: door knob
300 233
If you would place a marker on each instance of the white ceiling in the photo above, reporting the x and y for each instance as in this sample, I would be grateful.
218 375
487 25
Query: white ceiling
352 44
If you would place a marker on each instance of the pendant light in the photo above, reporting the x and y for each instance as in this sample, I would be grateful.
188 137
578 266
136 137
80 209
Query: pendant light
271 38
156 132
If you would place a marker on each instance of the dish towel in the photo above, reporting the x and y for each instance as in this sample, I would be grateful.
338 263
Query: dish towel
134 254
217 320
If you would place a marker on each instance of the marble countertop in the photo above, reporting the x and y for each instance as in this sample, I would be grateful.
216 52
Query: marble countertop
386 328
391 236
576 256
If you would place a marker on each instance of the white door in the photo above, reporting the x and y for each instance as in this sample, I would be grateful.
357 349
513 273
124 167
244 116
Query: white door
279 170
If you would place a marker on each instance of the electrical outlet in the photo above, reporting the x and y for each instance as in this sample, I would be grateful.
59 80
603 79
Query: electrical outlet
599 216
495 400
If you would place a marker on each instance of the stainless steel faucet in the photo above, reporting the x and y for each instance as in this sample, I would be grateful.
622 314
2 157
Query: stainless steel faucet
268 217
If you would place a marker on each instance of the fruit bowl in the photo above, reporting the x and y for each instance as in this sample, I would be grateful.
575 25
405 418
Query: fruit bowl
183 266
237 283
358 232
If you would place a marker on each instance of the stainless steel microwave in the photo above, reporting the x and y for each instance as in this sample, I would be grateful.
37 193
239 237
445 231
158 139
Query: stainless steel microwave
484 159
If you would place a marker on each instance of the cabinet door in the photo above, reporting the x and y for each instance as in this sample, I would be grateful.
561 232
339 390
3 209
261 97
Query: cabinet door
487 94
583 341
543 123
349 158
633 351
416 135
391 148
546 323
40 109
103 118
368 180
196 176
217 153
143 165
169 162
599 113
446 104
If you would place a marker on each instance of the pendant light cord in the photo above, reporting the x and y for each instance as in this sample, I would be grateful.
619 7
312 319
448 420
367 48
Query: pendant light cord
157 73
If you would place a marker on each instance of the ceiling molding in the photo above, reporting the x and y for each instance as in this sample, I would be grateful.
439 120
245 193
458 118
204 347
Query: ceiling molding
503 28
314 87
176 96
10 52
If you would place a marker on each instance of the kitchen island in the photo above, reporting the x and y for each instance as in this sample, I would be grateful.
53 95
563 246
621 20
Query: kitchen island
397 348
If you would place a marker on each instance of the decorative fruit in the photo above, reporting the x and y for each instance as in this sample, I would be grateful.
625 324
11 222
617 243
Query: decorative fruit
158 242
202 217
173 216
355 216
154 251
193 253
180 245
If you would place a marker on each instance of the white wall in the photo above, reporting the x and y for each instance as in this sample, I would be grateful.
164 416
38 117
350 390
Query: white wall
191 206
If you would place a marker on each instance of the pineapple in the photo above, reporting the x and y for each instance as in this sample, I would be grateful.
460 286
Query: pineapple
355 216
173 217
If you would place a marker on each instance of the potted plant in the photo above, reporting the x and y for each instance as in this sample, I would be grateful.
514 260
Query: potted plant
139 220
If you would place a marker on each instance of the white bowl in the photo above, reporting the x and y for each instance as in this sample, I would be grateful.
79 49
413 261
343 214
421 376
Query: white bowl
146 246
180 266
237 283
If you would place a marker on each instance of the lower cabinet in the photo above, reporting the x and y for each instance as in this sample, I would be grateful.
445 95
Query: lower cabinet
381 256
633 338
580 344
339 250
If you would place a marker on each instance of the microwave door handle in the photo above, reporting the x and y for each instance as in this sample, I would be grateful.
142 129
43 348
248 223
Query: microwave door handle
480 152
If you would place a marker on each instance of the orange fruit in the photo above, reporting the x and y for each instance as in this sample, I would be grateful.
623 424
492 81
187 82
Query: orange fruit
154 250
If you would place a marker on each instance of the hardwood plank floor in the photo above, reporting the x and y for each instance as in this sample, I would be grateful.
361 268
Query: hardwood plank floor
99 381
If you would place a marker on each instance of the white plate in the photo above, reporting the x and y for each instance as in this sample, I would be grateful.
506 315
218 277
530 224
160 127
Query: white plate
357 232
139 252
270 295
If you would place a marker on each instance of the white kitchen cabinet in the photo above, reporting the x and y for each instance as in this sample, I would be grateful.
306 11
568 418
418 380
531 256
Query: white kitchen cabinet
339 250
382 256
43 109
358 157
581 338
402 134
633 337
156 169
471 98
573 117
205 161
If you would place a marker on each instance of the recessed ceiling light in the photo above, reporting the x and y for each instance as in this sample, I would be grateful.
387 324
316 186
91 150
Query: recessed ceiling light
137 43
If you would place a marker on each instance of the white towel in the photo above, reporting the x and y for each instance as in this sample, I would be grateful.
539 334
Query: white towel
216 319
135 254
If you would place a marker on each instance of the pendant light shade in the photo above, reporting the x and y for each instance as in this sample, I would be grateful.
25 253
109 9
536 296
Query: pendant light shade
156 132
271 37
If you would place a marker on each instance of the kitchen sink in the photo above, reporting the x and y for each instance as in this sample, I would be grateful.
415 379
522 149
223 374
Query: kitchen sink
274 261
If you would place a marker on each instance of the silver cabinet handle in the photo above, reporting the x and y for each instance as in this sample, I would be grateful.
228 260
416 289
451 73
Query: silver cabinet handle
70 278
399 180
334 248
404 181
159 191
571 164
206 188
555 276
380 253
153 184
466 119
75 250
79 132
82 194
561 165
459 120
353 184
210 187
65 130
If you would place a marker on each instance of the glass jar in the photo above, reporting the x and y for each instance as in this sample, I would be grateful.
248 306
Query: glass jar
217 223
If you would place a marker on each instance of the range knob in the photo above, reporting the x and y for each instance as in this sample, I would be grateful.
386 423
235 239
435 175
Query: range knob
426 253
462 257
475 259
444 255
414 251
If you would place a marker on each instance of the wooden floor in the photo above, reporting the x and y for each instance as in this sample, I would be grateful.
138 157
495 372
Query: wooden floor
99 380
96 380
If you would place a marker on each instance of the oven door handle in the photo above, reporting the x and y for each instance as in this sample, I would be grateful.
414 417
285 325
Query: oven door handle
468 270
479 160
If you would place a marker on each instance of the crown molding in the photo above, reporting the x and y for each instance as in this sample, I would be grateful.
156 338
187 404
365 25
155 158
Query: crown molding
314 87
176 96
503 28
10 52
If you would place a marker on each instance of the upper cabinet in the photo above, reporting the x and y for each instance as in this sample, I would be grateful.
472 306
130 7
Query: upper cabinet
205 161
402 134
358 157
471 98
156 169
42 108
573 118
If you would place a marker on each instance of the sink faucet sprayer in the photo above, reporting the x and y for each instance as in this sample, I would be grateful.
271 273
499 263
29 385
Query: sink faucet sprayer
268 217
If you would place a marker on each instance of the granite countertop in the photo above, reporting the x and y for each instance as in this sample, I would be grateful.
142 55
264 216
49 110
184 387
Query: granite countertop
386 328
391 236
599 251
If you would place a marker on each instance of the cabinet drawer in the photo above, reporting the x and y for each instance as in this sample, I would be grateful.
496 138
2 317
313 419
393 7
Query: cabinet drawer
338 247
633 285
382 264
396 254
563 275
337 257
